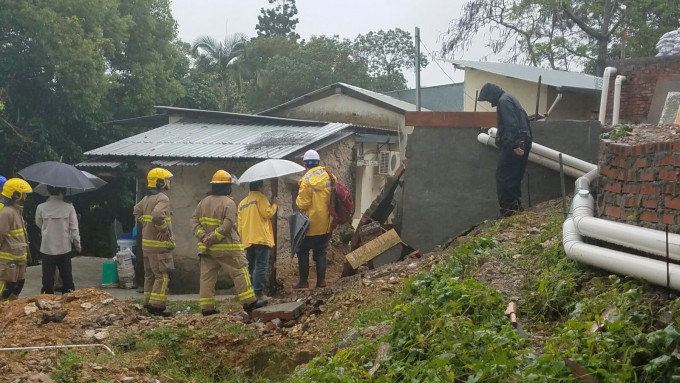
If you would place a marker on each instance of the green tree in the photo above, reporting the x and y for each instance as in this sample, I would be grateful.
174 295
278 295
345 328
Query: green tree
68 65
563 33
284 69
279 20
387 53
217 57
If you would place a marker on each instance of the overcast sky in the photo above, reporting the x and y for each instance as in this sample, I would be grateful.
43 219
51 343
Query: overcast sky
346 18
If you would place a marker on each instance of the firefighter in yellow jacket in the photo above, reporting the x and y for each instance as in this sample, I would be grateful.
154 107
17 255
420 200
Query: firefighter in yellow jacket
255 226
313 200
219 246
158 241
13 239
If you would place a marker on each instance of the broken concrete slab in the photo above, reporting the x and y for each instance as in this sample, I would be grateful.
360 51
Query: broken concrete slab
670 109
392 255
284 311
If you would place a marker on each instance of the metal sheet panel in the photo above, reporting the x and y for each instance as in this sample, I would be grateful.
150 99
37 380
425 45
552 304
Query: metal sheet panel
556 78
220 140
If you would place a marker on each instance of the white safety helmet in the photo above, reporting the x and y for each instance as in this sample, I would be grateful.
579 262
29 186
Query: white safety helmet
311 155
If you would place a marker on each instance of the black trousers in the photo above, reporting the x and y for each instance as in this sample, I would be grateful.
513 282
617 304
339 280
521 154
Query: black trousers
318 245
61 262
509 174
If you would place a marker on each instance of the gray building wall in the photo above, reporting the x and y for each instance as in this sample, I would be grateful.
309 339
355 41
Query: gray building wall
449 184
441 98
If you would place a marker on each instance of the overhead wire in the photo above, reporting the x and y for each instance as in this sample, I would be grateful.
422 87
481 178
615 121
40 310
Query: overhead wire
436 61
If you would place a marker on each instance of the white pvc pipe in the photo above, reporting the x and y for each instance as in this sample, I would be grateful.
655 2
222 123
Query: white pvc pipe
554 104
647 240
554 155
533 157
617 99
582 223
93 345
616 261
608 71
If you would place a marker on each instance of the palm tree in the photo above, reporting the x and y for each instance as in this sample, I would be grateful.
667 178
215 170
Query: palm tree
220 55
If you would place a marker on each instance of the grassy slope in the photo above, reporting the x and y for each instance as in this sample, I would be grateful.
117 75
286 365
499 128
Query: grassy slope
448 326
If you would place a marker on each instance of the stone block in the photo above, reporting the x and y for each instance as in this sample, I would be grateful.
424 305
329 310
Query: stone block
670 109
283 311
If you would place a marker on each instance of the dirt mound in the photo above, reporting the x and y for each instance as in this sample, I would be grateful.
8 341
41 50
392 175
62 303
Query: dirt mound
36 320
639 134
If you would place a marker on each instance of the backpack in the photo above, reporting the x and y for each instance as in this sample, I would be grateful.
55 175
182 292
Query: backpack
341 204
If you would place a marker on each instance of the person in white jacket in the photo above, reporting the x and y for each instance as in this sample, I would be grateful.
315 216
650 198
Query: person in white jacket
58 223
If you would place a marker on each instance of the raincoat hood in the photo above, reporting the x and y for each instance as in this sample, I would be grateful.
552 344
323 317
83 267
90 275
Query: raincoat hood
491 93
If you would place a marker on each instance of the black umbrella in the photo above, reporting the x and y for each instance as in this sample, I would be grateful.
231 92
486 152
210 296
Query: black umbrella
299 224
57 174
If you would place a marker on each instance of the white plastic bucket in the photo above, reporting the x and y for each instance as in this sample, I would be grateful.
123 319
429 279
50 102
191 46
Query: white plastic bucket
124 243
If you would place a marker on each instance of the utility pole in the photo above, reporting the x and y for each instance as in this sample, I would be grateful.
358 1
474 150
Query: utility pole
418 69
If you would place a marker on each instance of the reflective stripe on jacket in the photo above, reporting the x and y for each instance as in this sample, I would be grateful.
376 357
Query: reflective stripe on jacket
313 198
13 240
254 220
216 214
153 211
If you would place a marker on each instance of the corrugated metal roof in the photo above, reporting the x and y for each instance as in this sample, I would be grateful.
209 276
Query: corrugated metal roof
164 164
370 96
221 140
403 105
98 164
551 77
439 98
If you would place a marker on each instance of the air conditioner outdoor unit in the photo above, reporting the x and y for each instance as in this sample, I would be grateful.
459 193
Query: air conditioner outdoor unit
388 162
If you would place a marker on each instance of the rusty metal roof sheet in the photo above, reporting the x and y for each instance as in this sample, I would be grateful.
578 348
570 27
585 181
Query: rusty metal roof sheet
263 138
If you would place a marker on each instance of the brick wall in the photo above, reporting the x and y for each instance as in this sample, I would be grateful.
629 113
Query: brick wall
637 91
640 184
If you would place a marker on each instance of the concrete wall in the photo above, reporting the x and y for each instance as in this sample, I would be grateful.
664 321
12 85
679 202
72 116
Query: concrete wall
449 184
190 184
573 106
369 182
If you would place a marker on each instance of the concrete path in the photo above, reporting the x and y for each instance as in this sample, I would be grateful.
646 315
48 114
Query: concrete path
87 272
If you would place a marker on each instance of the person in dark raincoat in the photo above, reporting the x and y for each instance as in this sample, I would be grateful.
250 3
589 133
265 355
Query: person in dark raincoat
513 139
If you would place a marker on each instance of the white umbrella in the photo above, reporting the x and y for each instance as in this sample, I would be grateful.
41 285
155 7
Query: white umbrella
271 168
96 181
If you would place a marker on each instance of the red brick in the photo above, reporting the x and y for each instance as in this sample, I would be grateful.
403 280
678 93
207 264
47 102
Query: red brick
649 190
647 175
631 201
650 203
668 219
610 172
613 187
612 211
630 188
618 162
676 159
672 203
669 189
676 146
664 160
668 175
649 217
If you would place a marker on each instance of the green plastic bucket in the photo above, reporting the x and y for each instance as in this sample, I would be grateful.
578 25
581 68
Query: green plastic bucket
110 274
